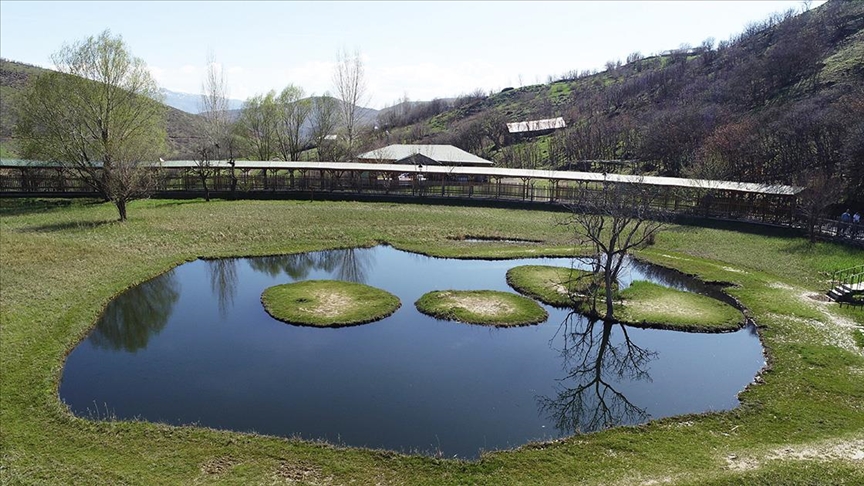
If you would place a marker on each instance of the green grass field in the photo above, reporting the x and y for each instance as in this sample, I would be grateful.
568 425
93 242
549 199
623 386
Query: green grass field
803 423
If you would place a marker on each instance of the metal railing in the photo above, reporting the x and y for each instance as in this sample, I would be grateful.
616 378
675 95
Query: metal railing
852 277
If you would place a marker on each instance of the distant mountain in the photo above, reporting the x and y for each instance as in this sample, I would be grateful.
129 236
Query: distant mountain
191 103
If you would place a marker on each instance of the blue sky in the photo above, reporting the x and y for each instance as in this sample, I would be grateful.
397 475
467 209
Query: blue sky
419 49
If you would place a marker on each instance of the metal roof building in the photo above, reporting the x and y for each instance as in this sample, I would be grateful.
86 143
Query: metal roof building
536 125
424 155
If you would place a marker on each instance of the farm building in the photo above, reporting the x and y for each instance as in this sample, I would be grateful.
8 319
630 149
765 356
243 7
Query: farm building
423 155
536 127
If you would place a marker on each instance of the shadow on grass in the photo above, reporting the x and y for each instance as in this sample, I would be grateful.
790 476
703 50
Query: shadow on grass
68 225
19 207
167 203
690 223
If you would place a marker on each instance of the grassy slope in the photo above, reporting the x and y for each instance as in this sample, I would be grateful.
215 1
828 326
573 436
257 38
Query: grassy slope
14 76
61 265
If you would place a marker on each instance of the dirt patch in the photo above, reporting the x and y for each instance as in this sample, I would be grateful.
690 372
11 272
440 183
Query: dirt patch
485 306
818 297
218 466
666 306
307 473
832 450
837 329
330 304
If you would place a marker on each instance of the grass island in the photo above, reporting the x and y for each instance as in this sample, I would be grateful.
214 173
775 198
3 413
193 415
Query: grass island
642 304
483 307
647 304
328 303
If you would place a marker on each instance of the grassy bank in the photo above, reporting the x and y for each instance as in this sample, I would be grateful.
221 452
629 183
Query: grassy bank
803 424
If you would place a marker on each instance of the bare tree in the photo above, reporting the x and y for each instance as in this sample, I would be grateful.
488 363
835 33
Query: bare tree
349 79
98 115
215 125
293 113
614 218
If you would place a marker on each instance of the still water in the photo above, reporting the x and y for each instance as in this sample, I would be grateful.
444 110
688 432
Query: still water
195 346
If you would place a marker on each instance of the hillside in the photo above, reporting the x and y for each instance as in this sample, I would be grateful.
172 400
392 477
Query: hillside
781 100
13 79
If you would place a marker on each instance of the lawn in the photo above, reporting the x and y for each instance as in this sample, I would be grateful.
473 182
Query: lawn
802 423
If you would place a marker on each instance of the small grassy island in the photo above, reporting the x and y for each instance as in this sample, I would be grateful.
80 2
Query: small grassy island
556 286
485 307
642 304
328 303
652 305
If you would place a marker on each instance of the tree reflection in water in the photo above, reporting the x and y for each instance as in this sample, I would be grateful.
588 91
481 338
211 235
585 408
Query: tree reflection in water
351 264
223 282
587 399
141 312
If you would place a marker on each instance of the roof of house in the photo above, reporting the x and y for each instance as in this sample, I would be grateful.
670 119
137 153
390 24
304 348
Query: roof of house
443 154
536 125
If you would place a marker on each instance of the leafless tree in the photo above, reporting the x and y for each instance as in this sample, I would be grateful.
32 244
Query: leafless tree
349 79
614 218
215 125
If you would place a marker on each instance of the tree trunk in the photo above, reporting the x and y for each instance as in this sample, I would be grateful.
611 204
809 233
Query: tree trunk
233 182
121 208
206 189
608 280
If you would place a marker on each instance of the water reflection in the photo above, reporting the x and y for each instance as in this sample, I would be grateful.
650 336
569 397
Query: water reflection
675 279
349 264
405 383
142 311
223 282
595 362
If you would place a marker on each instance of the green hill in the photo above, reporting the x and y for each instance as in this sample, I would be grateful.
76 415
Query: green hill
782 99
13 79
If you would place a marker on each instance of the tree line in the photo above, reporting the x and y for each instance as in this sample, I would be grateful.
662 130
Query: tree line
100 114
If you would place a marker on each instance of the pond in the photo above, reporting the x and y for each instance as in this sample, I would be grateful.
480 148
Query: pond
195 346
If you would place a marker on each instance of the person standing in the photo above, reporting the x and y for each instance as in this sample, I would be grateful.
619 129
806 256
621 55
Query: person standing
845 221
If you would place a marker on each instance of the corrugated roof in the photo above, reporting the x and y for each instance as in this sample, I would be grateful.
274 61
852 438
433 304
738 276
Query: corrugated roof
552 175
444 154
536 125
